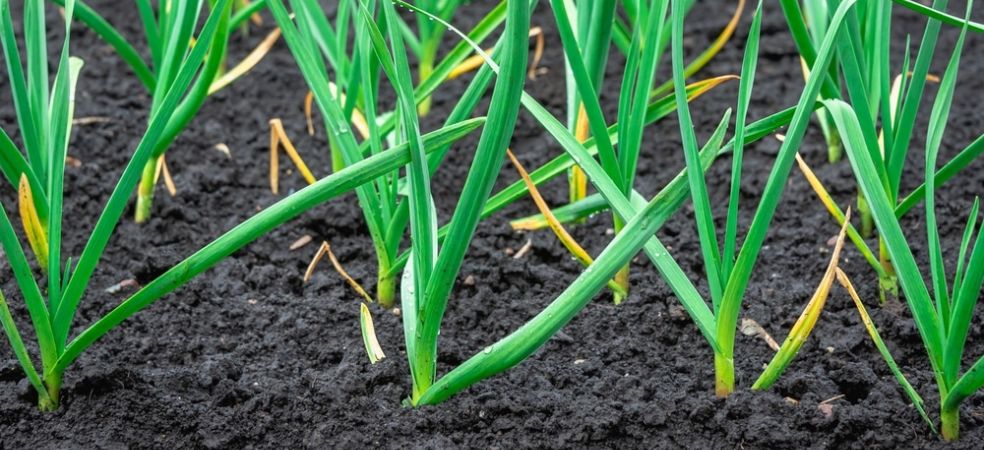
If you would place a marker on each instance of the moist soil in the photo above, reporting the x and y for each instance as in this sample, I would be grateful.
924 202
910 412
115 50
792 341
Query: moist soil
248 356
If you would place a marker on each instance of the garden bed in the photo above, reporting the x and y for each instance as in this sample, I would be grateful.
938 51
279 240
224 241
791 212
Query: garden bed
249 356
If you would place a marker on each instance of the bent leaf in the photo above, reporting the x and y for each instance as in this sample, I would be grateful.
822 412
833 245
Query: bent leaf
325 249
835 212
247 64
562 235
917 401
278 136
807 320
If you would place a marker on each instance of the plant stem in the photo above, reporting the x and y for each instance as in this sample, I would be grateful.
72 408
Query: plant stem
950 422
52 384
724 375
385 288
889 284
867 221
622 279
145 191
835 148
622 276
337 161
578 185
577 180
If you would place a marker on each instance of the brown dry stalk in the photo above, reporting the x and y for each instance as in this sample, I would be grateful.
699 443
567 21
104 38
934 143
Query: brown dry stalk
222 147
358 119
325 249
565 238
524 250
279 136
308 110
251 60
90 120
128 283
749 327
534 70
162 169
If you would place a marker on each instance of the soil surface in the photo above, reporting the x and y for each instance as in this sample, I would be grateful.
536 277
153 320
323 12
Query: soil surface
246 356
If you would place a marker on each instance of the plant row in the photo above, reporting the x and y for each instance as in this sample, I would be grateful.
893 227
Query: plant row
360 52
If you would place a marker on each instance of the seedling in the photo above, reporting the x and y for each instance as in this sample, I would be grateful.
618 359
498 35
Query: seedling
593 28
643 41
45 119
943 318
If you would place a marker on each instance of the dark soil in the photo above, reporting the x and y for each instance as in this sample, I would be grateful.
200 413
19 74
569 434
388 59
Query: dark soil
247 356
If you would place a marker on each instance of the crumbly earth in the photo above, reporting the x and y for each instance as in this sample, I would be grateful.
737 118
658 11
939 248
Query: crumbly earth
247 356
